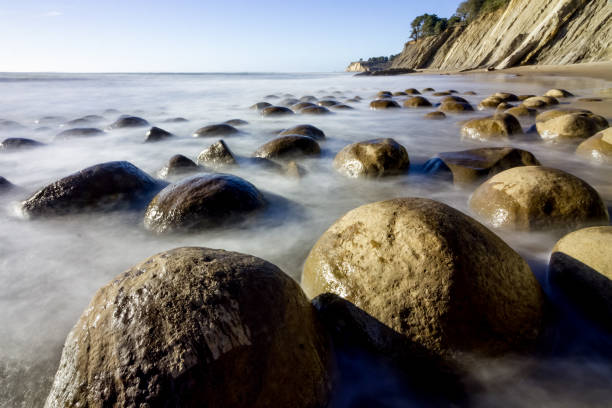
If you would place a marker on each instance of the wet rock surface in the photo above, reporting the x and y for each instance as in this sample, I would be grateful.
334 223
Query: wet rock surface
179 165
501 126
372 159
383 104
570 126
217 156
202 202
416 102
156 134
276 111
304 130
288 147
597 147
78 132
13 144
196 327
221 129
129 122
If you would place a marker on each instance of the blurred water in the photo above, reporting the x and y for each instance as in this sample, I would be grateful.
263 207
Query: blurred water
49 269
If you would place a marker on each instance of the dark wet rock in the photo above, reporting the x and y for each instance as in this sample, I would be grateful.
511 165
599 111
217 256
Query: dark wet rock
521 111
13 144
176 120
261 105
103 187
501 126
427 90
523 97
327 103
490 102
304 130
581 266
570 126
384 94
315 110
412 91
538 102
78 132
590 100
342 106
453 98
5 185
217 156
432 274
416 102
276 111
129 122
85 120
196 327
287 147
156 134
470 166
455 107
435 115
443 93
558 93
383 104
534 198
504 106
372 159
302 105
179 165
597 147
288 102
506 97
236 122
399 93
202 202
221 129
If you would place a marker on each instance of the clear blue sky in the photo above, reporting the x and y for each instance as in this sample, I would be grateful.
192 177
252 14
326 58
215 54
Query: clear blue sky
203 36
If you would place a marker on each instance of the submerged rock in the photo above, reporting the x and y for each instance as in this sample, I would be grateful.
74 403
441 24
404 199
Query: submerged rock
383 104
521 111
202 202
302 105
372 159
276 111
597 147
13 144
558 93
179 165
260 105
490 102
342 106
469 166
455 107
535 198
217 156
304 130
327 103
413 91
236 122
194 327
315 110
429 273
416 102
570 126
384 94
176 120
78 132
501 126
506 96
156 134
287 147
103 187
538 102
221 129
581 266
85 120
5 185
129 122
435 115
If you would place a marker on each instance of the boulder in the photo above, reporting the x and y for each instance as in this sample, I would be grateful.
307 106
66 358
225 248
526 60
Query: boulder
597 147
504 106
555 113
532 198
78 132
175 120
384 94
416 102
103 187
383 104
156 134
399 93
429 273
342 106
271 111
304 130
413 91
195 327
302 105
538 102
315 110
13 144
569 127
287 147
5 185
490 102
581 266
426 90
470 166
327 103
435 115
501 126
260 105
202 202
506 97
221 129
217 156
372 159
179 165
521 111
453 98
85 120
443 93
129 122
455 107
523 97
236 122
308 98
558 93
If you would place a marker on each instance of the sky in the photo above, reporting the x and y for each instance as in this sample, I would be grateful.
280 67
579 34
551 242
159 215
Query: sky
205 35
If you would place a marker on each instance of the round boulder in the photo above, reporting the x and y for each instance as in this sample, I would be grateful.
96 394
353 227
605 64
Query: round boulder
535 198
437 115
372 159
521 111
201 202
217 156
260 105
288 147
490 102
538 102
78 132
571 126
416 102
304 130
451 106
430 273
179 165
315 110
597 147
236 122
506 97
501 126
105 186
302 105
327 103
194 327
221 129
413 91
13 144
129 122
383 104
558 93
276 111
156 134
581 266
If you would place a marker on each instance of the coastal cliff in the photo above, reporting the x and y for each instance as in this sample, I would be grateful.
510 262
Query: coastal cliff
365 66
526 32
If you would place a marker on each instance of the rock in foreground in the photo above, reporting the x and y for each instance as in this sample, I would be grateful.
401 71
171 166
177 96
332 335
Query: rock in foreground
372 158
430 273
501 126
597 147
196 327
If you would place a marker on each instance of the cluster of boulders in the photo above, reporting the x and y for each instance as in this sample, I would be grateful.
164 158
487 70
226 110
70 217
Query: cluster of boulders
307 105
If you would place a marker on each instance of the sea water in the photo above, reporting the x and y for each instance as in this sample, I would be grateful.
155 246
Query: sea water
50 268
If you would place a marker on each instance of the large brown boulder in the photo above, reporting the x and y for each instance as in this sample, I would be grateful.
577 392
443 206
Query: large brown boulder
581 266
521 111
538 198
103 187
538 102
416 102
571 126
501 126
201 202
221 129
430 273
469 166
597 147
156 134
490 102
558 93
288 147
451 106
217 156
304 130
383 104
196 327
179 165
272 111
127 121
372 158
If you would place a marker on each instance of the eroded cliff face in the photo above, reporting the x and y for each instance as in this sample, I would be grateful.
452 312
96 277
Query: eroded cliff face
526 32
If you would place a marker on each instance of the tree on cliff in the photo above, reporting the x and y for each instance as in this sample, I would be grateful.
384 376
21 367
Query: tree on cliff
426 25
468 10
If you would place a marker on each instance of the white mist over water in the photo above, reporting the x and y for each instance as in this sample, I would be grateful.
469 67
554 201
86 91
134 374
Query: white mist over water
50 269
